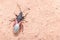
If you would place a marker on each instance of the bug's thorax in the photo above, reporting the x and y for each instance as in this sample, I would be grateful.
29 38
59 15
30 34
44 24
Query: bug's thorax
19 18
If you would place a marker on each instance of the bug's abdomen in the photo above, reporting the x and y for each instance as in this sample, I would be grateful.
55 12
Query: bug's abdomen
16 28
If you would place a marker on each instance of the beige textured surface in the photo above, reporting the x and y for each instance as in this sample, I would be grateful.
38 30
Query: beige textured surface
43 19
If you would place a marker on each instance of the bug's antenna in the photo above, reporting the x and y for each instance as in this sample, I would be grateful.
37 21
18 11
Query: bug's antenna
19 7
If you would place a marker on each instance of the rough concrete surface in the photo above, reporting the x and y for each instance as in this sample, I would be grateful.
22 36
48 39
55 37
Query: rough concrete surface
43 19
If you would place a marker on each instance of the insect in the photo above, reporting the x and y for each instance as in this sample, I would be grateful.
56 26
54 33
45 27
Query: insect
18 26
18 23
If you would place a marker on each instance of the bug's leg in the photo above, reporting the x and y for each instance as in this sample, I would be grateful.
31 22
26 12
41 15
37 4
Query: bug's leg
21 26
25 15
12 20
24 21
15 14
